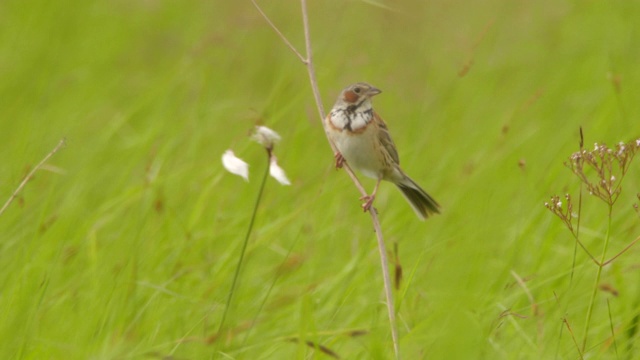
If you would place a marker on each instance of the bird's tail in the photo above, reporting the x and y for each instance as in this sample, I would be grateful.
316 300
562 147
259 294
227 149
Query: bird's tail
423 204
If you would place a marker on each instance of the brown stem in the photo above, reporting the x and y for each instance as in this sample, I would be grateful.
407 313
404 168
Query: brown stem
308 61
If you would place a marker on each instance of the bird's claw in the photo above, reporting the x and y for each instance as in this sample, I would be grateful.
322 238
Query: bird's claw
368 201
339 160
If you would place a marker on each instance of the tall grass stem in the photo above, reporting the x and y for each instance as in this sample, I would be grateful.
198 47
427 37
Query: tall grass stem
597 282
243 251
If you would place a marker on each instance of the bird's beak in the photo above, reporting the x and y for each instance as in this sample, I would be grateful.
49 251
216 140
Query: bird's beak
373 91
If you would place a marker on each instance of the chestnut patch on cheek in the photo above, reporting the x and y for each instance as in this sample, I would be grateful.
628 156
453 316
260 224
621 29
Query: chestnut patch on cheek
350 96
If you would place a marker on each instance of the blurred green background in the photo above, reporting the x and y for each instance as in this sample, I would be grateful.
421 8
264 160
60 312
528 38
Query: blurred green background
124 245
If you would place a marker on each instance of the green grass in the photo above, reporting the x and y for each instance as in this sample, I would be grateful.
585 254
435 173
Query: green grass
125 244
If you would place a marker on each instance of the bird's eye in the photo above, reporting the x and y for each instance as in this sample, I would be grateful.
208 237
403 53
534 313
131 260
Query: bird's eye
356 90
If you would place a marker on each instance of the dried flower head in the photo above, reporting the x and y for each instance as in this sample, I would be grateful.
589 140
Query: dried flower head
601 172
564 213
266 137
602 169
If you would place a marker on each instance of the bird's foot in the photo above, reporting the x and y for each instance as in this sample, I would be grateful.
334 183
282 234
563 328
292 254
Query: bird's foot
368 201
339 160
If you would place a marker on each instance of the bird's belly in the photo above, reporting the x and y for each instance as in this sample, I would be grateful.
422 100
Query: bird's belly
360 152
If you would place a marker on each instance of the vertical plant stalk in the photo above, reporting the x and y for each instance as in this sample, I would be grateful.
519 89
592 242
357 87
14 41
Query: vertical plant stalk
595 285
575 246
387 284
577 236
236 275
610 166
30 175
307 60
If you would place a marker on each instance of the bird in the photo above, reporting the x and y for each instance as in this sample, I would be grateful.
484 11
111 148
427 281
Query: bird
363 141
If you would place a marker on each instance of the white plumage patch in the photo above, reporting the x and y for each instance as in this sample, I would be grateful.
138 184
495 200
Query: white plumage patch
352 121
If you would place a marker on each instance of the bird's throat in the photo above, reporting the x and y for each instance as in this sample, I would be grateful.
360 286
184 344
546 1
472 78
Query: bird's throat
351 120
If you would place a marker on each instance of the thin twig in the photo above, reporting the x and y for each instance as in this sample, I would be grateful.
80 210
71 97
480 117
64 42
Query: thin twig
310 69
621 252
30 175
565 321
374 214
316 92
308 61
316 95
573 337
284 38
593 258
387 281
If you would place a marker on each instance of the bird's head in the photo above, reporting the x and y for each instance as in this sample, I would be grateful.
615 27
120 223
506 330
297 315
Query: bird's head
357 97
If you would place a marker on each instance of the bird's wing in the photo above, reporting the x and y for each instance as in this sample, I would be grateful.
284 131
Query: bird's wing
385 139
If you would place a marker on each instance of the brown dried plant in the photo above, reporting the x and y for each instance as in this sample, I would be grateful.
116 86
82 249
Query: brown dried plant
601 172
607 167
